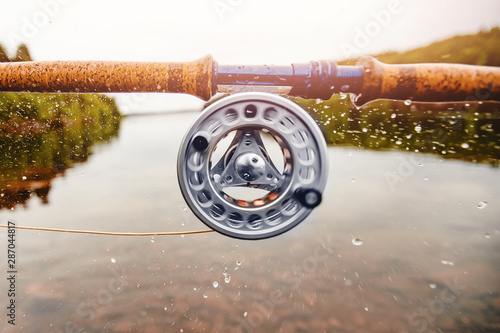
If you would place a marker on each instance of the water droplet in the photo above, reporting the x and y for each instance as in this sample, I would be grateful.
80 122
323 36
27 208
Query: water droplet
353 180
24 177
227 279
487 235
348 282
366 309
418 128
432 285
408 102
184 209
215 284
195 289
393 115
152 240
465 145
165 308
482 204
113 260
365 129
238 262
446 262
205 296
342 95
357 241
245 314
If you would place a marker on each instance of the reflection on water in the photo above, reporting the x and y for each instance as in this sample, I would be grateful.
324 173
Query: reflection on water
43 135
465 131
420 254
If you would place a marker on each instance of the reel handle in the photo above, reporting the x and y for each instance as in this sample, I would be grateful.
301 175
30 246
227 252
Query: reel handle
194 78
427 82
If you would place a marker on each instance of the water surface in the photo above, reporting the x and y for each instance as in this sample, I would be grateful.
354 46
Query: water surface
403 242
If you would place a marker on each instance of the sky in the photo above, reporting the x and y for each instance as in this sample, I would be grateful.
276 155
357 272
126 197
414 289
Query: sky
232 31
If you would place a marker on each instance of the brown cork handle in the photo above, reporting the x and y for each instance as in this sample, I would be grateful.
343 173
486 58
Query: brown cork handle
428 82
194 78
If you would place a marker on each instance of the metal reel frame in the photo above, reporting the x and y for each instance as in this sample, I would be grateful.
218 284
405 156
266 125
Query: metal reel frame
288 192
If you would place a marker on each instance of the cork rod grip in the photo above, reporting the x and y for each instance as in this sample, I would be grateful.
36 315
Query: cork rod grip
194 78
428 82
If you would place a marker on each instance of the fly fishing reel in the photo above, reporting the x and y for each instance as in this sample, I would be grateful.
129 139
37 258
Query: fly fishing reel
253 165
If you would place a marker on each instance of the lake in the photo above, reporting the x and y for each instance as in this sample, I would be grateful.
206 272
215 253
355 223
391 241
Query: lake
404 241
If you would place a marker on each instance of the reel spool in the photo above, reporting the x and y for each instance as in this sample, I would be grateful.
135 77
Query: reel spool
253 165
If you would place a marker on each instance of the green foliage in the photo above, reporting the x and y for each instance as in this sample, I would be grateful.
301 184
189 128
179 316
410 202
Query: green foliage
50 108
3 54
478 49
22 54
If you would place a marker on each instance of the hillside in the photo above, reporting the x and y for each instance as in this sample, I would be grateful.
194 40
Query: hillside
482 49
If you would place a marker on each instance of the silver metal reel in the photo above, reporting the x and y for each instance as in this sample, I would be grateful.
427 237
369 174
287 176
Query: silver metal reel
253 165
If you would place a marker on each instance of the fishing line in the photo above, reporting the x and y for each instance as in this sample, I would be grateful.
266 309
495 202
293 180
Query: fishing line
166 233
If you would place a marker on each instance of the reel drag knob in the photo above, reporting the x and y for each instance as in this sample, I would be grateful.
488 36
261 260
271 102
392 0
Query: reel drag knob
253 165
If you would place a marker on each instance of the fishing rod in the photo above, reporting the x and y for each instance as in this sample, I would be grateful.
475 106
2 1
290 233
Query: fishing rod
227 171
369 79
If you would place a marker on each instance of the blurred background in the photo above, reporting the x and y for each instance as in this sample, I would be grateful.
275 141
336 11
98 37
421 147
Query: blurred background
407 238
